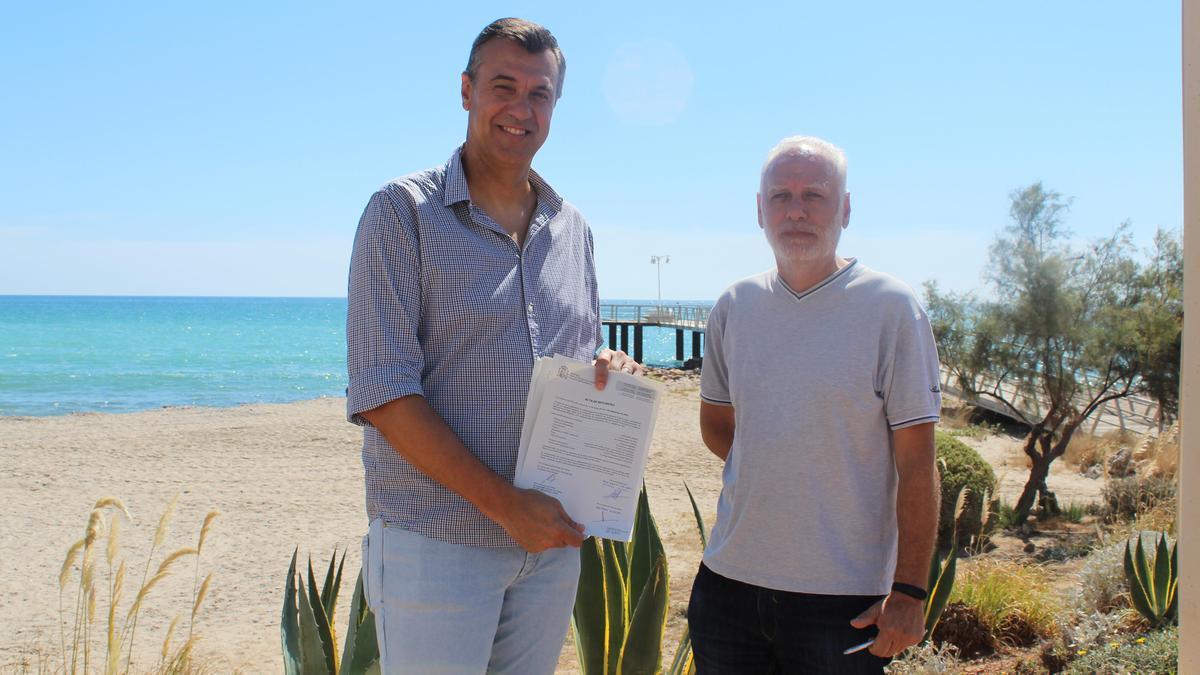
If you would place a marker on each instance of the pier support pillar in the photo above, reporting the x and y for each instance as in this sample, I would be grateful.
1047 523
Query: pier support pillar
696 353
625 338
612 335
637 343
678 344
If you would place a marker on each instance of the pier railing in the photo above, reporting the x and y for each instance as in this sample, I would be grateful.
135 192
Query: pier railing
619 318
672 316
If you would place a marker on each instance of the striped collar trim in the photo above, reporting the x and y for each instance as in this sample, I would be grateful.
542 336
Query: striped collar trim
850 264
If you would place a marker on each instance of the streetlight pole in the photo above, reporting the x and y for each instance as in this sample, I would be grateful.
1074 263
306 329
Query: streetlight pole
658 261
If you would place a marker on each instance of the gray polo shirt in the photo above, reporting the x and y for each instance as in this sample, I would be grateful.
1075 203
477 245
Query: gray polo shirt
817 380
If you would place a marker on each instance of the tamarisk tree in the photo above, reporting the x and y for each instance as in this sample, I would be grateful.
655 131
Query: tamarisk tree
1068 331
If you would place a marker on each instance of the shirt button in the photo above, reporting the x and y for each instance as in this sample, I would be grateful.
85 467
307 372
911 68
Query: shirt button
529 307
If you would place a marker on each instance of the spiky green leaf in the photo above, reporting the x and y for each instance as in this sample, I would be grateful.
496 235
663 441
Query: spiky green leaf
312 652
324 631
361 653
289 623
646 548
940 586
699 518
1137 589
683 654
589 621
642 651
1162 575
616 603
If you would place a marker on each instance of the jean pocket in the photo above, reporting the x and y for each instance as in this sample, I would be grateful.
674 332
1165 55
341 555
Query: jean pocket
372 565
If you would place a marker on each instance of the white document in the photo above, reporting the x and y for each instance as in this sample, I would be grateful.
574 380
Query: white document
588 448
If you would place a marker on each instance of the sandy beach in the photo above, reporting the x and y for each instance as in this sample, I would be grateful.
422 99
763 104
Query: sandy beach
282 476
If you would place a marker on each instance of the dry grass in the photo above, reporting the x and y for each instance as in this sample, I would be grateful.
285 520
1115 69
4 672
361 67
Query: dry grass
1086 450
961 419
1153 455
1013 600
103 641
1160 454
1162 517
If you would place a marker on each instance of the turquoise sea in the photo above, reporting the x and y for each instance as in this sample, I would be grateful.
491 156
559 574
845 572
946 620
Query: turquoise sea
65 354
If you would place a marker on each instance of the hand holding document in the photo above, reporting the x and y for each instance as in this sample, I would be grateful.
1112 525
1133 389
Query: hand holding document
588 448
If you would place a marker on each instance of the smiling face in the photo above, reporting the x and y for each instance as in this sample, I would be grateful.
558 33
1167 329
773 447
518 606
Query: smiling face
509 102
802 209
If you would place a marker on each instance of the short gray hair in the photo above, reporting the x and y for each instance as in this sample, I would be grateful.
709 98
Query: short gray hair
809 146
534 38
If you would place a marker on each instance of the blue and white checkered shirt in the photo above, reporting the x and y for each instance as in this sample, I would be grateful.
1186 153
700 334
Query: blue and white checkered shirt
443 304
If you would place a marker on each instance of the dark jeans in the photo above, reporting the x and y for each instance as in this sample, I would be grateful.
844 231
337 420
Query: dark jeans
741 629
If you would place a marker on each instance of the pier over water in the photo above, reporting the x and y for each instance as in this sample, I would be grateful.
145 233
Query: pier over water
620 318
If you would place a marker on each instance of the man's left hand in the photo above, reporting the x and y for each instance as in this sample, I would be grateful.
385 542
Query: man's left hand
901 622
608 360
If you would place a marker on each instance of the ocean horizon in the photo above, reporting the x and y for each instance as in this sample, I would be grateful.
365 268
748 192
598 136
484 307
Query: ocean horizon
63 354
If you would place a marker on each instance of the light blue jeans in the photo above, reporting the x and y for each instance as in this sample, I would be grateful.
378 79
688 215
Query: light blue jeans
449 609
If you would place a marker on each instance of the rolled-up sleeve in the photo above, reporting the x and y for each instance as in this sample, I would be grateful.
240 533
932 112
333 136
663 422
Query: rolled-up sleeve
384 356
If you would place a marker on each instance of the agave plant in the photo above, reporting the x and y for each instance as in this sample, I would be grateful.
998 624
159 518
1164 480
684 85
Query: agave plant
621 606
684 662
943 567
310 645
1153 584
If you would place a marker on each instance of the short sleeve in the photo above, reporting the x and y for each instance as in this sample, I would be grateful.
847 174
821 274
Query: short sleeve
384 359
714 372
912 394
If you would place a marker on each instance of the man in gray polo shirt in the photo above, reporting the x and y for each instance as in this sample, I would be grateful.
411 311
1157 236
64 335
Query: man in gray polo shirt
462 275
820 392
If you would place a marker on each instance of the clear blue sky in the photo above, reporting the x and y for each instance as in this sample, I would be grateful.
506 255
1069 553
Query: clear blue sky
229 148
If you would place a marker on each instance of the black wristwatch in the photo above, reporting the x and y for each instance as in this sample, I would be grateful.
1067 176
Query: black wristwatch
914 592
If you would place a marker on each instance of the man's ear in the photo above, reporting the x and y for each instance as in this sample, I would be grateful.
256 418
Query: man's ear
466 91
846 211
758 202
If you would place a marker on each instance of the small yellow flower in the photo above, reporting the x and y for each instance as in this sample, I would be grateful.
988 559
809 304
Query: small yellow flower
1114 644
1081 652
1140 641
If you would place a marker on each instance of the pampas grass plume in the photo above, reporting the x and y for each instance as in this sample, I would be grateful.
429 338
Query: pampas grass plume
201 594
142 593
64 575
118 584
160 534
166 646
165 565
95 524
91 605
113 502
114 541
208 520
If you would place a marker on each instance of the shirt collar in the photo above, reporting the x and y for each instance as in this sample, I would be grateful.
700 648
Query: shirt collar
456 185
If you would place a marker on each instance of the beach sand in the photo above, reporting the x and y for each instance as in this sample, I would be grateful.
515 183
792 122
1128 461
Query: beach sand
282 476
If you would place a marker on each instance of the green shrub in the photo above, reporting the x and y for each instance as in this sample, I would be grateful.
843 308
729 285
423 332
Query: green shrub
1127 498
1156 652
926 658
1012 601
1102 587
962 468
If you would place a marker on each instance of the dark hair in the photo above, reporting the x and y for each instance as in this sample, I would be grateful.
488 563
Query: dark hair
535 38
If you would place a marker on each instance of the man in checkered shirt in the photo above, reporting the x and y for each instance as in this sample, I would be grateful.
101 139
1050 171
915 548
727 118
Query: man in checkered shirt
462 275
